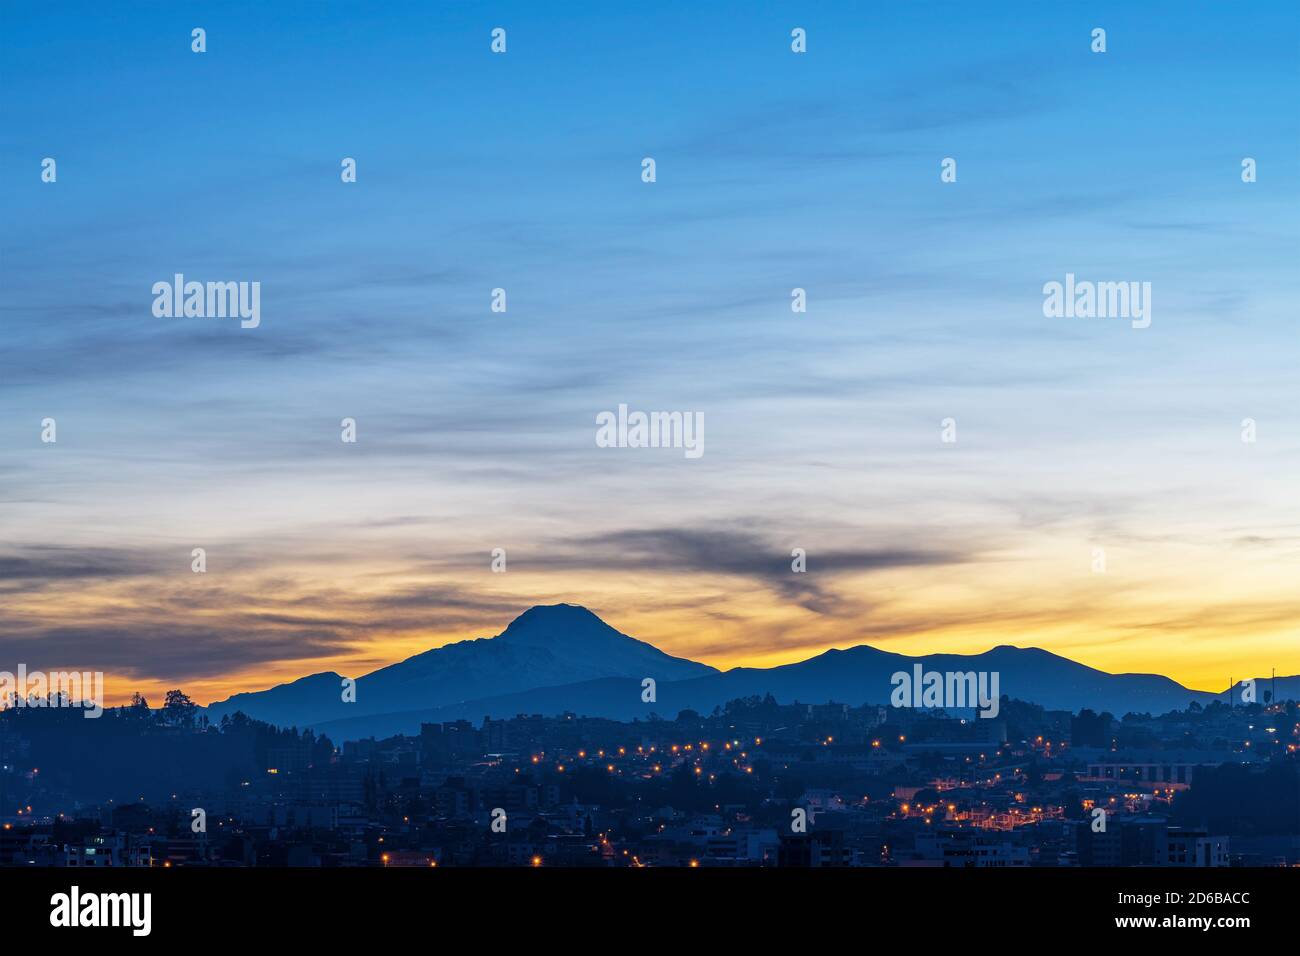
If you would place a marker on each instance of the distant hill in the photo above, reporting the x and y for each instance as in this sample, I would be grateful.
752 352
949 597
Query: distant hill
564 658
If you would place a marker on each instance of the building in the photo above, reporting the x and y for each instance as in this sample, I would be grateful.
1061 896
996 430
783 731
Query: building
967 848
1189 847
820 848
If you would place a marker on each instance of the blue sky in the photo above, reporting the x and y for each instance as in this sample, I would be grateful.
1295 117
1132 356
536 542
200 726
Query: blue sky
522 171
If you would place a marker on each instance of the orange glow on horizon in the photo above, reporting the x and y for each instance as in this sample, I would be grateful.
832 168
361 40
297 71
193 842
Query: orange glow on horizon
1238 626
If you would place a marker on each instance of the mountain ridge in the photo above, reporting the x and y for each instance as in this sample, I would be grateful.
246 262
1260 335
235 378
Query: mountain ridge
564 658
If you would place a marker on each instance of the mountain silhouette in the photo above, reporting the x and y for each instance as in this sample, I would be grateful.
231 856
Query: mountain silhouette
564 658
545 646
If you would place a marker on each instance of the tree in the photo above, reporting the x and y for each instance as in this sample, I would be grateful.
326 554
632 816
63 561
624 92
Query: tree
178 709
